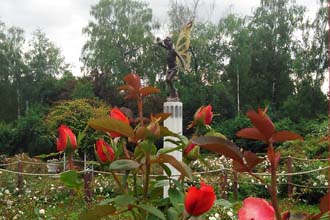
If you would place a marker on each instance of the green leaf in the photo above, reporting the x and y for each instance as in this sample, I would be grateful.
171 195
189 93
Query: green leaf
184 170
224 203
124 164
98 212
108 124
70 179
44 156
124 200
148 147
152 210
161 183
172 214
176 198
166 150
220 146
166 169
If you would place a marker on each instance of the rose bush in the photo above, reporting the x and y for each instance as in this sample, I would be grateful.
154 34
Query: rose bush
140 196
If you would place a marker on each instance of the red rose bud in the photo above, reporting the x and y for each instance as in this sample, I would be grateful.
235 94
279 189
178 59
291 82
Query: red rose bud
66 138
199 201
204 115
191 152
115 113
104 151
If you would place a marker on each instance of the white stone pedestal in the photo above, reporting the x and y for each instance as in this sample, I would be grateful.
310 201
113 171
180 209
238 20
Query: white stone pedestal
174 124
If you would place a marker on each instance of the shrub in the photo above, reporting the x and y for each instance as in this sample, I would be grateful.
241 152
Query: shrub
6 138
31 134
76 114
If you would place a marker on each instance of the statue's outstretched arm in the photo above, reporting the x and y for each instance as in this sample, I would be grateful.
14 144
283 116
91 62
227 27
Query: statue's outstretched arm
161 43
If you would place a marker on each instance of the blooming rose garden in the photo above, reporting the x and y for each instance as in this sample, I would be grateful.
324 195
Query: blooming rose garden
127 180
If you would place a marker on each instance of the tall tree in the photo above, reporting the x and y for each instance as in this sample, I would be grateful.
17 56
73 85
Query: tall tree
120 41
272 38
16 66
45 63
118 37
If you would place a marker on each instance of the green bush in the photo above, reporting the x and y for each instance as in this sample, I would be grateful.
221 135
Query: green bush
76 114
31 134
6 138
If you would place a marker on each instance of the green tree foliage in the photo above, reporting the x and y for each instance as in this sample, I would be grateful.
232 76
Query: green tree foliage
12 72
83 89
120 41
45 62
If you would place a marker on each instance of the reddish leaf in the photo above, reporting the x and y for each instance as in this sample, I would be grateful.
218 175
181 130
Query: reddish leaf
131 93
286 215
252 159
262 122
126 87
220 146
282 136
325 203
251 133
240 167
108 124
164 131
148 90
163 116
181 167
133 80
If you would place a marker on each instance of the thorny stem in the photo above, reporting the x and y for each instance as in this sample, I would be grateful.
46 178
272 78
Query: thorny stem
273 189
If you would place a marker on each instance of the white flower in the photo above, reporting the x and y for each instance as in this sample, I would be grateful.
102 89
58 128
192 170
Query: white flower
7 192
326 183
212 218
314 184
42 211
217 215
230 214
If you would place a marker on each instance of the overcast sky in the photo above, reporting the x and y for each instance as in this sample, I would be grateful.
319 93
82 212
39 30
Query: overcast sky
63 20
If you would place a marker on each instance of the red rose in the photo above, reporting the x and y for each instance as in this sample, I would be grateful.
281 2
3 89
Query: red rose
104 151
257 209
189 148
199 201
115 113
204 115
66 134
191 152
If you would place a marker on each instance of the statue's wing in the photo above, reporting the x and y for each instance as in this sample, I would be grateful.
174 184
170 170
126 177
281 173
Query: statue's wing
183 44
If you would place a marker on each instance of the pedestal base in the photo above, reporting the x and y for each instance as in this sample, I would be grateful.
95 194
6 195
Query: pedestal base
174 124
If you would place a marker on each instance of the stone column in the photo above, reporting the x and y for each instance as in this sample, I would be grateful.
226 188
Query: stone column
174 124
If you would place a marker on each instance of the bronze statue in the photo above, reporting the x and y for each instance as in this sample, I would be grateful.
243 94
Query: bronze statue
172 67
